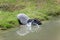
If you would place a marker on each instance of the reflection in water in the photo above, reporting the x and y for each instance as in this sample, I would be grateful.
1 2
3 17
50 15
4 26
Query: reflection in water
24 30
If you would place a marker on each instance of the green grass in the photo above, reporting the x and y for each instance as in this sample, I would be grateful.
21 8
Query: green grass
43 10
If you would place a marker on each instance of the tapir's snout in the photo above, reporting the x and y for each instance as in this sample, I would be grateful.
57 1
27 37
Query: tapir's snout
36 22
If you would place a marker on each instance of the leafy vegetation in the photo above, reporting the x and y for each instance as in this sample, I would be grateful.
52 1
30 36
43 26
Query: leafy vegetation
42 9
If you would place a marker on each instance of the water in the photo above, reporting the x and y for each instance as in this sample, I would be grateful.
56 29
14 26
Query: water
25 29
50 30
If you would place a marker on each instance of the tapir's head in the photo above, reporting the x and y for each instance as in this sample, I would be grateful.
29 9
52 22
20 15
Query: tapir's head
35 21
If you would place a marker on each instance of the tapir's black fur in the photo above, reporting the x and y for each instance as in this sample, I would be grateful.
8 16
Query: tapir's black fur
34 21
20 22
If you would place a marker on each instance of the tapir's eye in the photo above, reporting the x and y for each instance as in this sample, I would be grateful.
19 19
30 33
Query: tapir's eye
35 21
38 22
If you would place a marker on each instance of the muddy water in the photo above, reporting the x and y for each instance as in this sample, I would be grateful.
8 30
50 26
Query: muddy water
50 30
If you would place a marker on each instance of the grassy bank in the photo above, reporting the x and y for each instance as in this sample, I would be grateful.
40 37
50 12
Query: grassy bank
42 9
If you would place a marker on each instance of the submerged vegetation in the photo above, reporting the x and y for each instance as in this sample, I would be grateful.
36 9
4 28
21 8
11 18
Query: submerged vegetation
42 9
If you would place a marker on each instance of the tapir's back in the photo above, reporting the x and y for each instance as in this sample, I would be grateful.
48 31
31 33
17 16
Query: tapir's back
23 18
